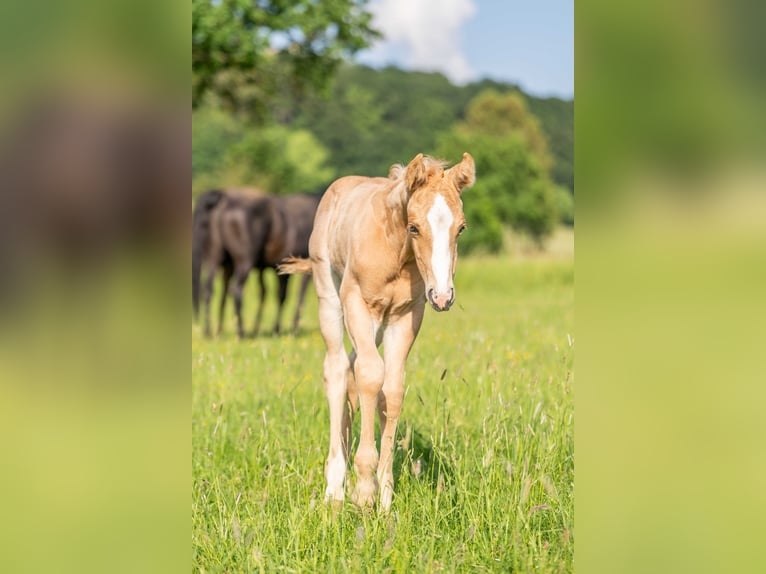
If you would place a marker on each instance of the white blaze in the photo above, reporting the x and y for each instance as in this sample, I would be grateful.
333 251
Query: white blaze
440 218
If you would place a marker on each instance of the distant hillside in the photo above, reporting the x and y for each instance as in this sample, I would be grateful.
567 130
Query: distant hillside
372 118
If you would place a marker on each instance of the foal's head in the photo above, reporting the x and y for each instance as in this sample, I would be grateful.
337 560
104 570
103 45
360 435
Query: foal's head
435 220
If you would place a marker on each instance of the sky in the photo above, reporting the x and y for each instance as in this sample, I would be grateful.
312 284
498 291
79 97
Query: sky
524 42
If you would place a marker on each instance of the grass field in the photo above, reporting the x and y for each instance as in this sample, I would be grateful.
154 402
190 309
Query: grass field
485 469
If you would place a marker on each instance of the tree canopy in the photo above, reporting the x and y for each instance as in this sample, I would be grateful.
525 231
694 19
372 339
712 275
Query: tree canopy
512 163
372 118
227 153
245 52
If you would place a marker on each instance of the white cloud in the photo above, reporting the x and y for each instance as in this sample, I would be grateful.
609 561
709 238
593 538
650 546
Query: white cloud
425 34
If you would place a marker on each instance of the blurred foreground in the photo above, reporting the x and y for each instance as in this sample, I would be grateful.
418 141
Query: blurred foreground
94 212
92 369
671 315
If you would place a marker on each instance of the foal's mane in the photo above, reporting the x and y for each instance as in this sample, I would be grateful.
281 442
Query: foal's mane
397 198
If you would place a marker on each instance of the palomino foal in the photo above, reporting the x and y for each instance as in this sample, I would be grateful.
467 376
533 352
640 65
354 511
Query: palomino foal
380 248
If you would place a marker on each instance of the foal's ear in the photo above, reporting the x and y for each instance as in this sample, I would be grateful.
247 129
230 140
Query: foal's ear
464 173
416 174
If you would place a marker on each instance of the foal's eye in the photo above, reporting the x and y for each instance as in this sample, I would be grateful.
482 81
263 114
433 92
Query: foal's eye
413 229
460 230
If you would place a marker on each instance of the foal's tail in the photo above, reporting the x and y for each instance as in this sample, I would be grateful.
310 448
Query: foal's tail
201 238
294 266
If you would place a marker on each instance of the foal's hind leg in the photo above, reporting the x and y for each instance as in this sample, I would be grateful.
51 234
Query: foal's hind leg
337 372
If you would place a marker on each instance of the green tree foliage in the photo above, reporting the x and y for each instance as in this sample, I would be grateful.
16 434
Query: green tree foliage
213 132
247 52
484 232
564 205
372 118
557 121
275 158
512 164
556 117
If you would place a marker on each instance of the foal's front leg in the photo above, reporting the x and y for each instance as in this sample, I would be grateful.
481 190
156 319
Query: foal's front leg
397 341
368 375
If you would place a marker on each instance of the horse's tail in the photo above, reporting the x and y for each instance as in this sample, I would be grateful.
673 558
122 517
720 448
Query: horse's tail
201 238
294 265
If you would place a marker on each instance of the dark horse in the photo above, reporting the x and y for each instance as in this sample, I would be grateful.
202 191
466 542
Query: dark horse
237 230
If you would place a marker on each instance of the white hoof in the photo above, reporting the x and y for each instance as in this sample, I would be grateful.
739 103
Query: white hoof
336 479
332 495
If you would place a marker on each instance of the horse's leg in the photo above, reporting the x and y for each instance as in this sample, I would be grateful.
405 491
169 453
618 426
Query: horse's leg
209 269
261 299
397 341
368 375
301 295
337 372
282 295
240 277
353 393
228 272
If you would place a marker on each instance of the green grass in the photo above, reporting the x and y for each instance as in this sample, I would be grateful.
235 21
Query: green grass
485 468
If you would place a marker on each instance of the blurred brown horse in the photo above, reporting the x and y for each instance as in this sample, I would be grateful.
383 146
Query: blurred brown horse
85 178
238 230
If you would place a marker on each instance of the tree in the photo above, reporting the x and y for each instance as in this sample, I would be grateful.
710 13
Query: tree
245 52
512 166
557 120
213 132
226 153
376 117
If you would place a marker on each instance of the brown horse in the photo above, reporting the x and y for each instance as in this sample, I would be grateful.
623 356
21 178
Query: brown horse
380 248
84 176
238 230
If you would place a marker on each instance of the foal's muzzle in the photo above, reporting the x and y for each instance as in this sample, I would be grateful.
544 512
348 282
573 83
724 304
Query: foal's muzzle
441 301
